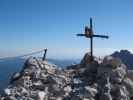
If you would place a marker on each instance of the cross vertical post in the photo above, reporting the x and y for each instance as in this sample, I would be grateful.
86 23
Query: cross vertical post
91 46
91 39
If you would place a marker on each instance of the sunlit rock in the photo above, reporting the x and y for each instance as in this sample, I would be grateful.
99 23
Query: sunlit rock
89 80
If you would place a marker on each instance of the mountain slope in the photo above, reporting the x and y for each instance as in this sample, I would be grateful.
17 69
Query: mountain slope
12 65
89 80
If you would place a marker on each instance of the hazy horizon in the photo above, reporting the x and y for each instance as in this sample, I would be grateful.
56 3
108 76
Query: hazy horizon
98 52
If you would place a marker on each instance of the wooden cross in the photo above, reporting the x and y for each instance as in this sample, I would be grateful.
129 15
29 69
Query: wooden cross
90 34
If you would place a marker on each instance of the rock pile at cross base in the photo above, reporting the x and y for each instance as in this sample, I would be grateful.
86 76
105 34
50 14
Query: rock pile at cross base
40 80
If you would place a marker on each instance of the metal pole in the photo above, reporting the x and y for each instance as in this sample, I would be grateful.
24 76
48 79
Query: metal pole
91 47
44 56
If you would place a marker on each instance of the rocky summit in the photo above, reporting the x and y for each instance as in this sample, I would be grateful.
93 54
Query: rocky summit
106 79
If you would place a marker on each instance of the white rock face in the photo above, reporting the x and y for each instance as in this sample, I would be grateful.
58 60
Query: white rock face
41 95
89 80
7 91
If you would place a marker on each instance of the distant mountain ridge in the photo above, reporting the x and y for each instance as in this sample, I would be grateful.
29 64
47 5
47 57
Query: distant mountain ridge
126 57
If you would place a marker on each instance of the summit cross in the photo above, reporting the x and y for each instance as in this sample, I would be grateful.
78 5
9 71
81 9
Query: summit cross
90 34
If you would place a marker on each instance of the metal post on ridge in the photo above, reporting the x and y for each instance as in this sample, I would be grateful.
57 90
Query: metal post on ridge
90 34
45 53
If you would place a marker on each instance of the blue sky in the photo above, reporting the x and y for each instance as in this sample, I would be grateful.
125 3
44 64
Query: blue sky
31 25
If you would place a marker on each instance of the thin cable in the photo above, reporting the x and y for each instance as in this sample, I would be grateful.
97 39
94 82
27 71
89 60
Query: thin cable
24 55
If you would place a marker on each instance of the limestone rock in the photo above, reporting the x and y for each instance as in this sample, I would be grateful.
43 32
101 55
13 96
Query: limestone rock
130 74
89 80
